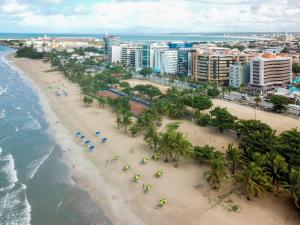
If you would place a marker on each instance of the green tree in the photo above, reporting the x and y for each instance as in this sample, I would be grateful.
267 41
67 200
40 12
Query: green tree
173 144
292 185
234 156
246 127
222 119
126 121
146 71
296 68
152 137
279 103
217 171
101 101
213 92
289 146
254 179
88 100
198 102
276 167
203 154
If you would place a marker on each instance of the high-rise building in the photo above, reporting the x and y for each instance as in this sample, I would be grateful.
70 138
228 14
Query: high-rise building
185 60
269 72
145 56
165 61
211 67
130 55
239 74
110 41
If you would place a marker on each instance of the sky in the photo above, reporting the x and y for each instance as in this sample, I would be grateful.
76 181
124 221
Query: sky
149 16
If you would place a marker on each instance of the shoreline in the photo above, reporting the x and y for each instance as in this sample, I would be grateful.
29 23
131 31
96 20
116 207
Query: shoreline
121 200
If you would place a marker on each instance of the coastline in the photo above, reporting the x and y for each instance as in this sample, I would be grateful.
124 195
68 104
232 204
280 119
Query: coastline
122 201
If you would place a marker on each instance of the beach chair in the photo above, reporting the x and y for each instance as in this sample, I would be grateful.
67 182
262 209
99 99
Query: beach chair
97 133
104 140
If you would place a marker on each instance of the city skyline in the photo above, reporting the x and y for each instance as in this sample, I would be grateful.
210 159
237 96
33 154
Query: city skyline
146 16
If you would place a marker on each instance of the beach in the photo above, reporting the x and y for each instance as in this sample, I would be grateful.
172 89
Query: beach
190 200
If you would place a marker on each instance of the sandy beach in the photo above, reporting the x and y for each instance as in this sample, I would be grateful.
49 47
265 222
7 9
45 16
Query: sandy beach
190 200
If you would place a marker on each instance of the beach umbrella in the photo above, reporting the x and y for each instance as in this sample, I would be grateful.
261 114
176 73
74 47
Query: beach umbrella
87 142
77 133
82 137
91 148
156 156
104 140
126 168
136 177
97 133
162 202
159 173
144 160
147 188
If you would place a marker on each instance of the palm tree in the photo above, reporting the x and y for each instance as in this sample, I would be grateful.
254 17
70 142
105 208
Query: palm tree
276 167
152 137
126 121
292 186
257 100
101 100
254 179
217 171
233 155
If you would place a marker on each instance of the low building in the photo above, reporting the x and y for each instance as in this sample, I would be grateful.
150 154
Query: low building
239 74
269 72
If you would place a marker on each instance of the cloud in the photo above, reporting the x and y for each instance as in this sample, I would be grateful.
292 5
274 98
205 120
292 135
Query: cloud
154 15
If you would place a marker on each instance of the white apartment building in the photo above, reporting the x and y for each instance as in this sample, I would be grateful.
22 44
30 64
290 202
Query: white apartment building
270 72
165 61
130 55
115 56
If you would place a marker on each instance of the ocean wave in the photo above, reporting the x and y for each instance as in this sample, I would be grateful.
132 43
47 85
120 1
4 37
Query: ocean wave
32 125
15 208
10 171
2 114
36 164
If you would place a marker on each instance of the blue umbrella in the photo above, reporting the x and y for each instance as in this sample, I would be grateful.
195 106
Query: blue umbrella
92 148
82 137
77 133
87 142
104 140
97 133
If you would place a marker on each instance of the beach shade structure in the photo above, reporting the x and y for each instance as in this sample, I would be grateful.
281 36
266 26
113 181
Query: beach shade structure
156 156
162 202
126 168
136 178
104 140
144 160
97 133
65 93
77 133
82 137
92 148
147 188
159 173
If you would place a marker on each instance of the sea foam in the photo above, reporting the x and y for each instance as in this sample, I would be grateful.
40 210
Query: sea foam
10 171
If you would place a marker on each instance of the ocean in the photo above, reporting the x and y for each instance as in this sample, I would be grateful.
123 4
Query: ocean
35 184
213 37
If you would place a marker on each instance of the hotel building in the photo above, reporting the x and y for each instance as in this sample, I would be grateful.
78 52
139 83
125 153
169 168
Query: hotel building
270 72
